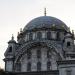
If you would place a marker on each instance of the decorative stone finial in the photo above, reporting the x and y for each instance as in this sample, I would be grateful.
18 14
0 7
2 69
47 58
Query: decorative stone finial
45 11
72 31
12 37
69 29
20 30
18 33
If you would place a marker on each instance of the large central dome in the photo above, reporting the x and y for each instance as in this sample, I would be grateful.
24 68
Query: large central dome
45 21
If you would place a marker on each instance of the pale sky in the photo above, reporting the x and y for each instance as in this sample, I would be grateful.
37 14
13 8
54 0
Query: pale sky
15 14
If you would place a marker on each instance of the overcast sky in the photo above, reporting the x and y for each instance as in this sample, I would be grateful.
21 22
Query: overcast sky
15 14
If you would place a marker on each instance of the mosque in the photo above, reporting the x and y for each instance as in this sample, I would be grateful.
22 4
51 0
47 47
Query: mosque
44 47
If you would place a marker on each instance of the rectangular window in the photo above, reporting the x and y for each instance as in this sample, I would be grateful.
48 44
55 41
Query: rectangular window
18 66
30 36
38 53
28 54
48 35
28 66
39 66
39 35
48 65
68 44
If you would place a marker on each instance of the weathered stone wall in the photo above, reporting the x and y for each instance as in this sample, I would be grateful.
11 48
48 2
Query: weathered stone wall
34 60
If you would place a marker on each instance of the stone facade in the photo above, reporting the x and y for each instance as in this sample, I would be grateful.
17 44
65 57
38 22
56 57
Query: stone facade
45 44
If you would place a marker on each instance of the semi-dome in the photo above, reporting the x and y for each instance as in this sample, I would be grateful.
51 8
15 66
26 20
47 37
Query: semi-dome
45 21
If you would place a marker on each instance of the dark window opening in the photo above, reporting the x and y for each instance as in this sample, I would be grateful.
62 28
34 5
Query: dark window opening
10 49
68 44
38 66
30 36
38 53
48 35
29 66
28 54
18 66
39 35
48 54
48 66
58 36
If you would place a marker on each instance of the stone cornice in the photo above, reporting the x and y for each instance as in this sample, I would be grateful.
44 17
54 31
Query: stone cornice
51 29
8 59
66 62
51 72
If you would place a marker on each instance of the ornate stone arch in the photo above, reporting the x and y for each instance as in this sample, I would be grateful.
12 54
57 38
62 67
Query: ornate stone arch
47 44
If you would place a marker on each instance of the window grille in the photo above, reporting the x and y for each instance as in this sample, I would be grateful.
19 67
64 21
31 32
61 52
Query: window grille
38 66
29 66
48 65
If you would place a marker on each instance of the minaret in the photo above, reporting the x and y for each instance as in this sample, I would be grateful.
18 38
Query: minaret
9 55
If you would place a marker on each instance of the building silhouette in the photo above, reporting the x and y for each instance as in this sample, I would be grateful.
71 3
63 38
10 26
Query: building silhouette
44 47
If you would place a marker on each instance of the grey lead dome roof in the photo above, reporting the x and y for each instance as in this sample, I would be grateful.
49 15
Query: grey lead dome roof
45 21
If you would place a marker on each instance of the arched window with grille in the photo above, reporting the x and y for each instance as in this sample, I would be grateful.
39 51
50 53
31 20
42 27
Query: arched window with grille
39 66
39 35
18 66
48 66
30 36
48 35
28 54
28 66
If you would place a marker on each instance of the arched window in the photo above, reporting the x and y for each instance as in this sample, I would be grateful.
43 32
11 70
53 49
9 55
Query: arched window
18 66
10 49
28 66
48 35
68 44
48 66
38 53
30 36
48 54
38 66
39 35
58 36
28 54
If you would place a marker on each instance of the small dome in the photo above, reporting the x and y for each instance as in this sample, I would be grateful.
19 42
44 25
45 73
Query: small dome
12 40
47 22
